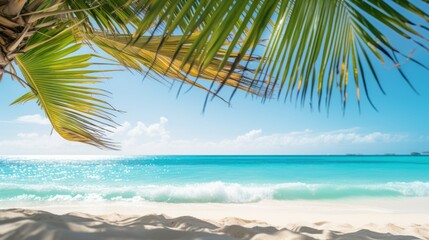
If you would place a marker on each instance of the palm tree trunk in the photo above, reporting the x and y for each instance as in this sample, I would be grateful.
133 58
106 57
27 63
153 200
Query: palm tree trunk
2 58
16 29
13 30
13 8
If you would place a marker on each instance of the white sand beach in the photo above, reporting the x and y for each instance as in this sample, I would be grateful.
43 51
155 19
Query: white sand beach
394 218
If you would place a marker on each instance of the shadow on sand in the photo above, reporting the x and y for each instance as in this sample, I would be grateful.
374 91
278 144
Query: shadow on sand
28 224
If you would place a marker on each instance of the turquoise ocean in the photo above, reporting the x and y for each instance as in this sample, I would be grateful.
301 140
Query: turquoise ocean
203 179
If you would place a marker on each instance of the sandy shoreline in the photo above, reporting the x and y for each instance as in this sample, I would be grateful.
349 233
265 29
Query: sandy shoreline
395 218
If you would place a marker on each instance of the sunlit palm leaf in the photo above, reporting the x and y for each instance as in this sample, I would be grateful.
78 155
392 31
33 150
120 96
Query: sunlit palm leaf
146 55
314 47
29 96
60 80
106 15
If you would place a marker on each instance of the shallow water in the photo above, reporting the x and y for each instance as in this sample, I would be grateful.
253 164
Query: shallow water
210 178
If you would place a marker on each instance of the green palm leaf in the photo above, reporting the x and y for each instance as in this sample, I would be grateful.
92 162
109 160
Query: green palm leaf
313 47
145 55
61 82
105 15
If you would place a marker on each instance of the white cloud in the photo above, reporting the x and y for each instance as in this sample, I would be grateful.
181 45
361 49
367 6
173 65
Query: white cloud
152 130
249 136
31 135
37 143
256 142
154 138
308 137
36 119
121 129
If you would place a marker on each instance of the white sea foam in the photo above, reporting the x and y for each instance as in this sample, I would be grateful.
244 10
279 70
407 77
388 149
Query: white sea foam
209 192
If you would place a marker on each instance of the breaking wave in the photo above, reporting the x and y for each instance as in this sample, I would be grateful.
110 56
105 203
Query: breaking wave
216 192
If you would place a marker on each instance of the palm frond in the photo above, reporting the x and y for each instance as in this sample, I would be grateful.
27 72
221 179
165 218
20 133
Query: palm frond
61 81
313 47
29 96
113 16
146 55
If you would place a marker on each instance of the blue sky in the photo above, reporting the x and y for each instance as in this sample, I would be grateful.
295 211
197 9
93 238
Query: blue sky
156 122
